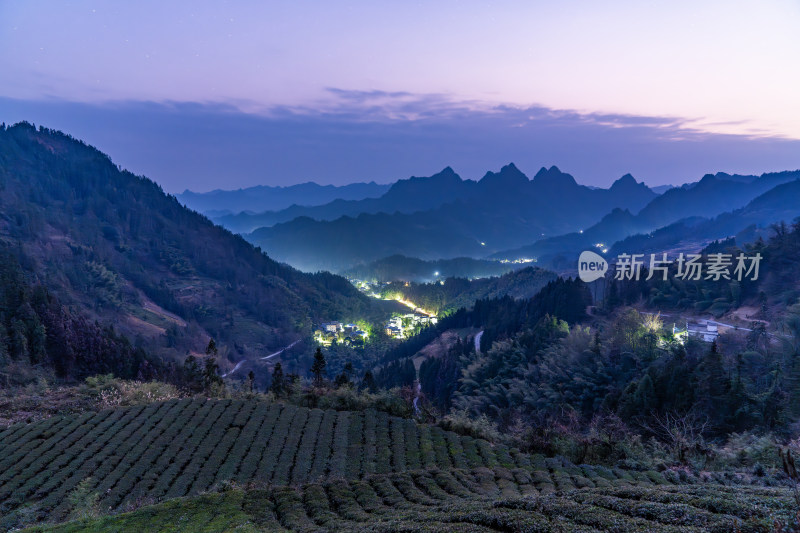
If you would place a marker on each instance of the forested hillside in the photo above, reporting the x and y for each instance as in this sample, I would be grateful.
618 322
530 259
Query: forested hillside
112 243
559 379
36 329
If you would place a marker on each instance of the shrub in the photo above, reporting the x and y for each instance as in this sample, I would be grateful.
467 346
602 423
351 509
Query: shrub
481 427
83 501
112 392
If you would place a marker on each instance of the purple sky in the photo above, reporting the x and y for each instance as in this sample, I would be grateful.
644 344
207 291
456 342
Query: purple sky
206 95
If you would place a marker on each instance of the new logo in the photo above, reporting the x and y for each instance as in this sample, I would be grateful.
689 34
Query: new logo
591 266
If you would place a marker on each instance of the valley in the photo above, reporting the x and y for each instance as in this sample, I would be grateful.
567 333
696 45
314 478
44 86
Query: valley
399 267
150 376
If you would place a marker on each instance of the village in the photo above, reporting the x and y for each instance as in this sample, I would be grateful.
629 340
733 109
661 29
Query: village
399 326
408 325
347 334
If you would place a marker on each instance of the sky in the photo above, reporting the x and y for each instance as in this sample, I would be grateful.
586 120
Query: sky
205 95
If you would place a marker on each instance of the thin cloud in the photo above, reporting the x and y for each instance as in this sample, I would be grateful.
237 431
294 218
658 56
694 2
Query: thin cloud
384 136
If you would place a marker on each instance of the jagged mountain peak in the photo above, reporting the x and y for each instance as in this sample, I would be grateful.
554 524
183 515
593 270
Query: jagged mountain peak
446 175
553 176
509 175
627 183
627 179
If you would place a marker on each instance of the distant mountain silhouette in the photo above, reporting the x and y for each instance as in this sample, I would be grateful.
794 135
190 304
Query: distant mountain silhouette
403 196
266 198
503 209
707 198
712 195
661 189
782 203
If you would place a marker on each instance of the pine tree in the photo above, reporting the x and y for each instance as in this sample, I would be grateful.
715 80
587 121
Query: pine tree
192 375
212 347
645 396
596 345
318 367
211 374
278 385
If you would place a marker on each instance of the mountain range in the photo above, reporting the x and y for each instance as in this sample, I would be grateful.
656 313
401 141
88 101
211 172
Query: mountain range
746 224
404 196
774 197
263 197
502 210
503 216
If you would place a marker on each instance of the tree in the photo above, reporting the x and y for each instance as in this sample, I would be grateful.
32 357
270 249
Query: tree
38 351
343 379
212 347
318 368
192 375
251 381
712 385
683 433
278 385
211 374
368 382
19 341
596 345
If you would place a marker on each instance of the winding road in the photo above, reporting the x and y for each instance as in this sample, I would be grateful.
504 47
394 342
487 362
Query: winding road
280 351
240 363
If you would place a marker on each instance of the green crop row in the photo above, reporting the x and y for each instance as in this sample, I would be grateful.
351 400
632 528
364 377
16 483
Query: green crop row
133 456
459 500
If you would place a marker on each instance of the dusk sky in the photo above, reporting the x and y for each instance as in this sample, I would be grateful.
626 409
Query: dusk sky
204 95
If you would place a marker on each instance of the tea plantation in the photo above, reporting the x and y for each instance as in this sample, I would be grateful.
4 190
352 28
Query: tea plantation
309 469
463 501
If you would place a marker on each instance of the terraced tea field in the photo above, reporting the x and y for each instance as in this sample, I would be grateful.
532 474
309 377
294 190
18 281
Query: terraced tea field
463 501
349 467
